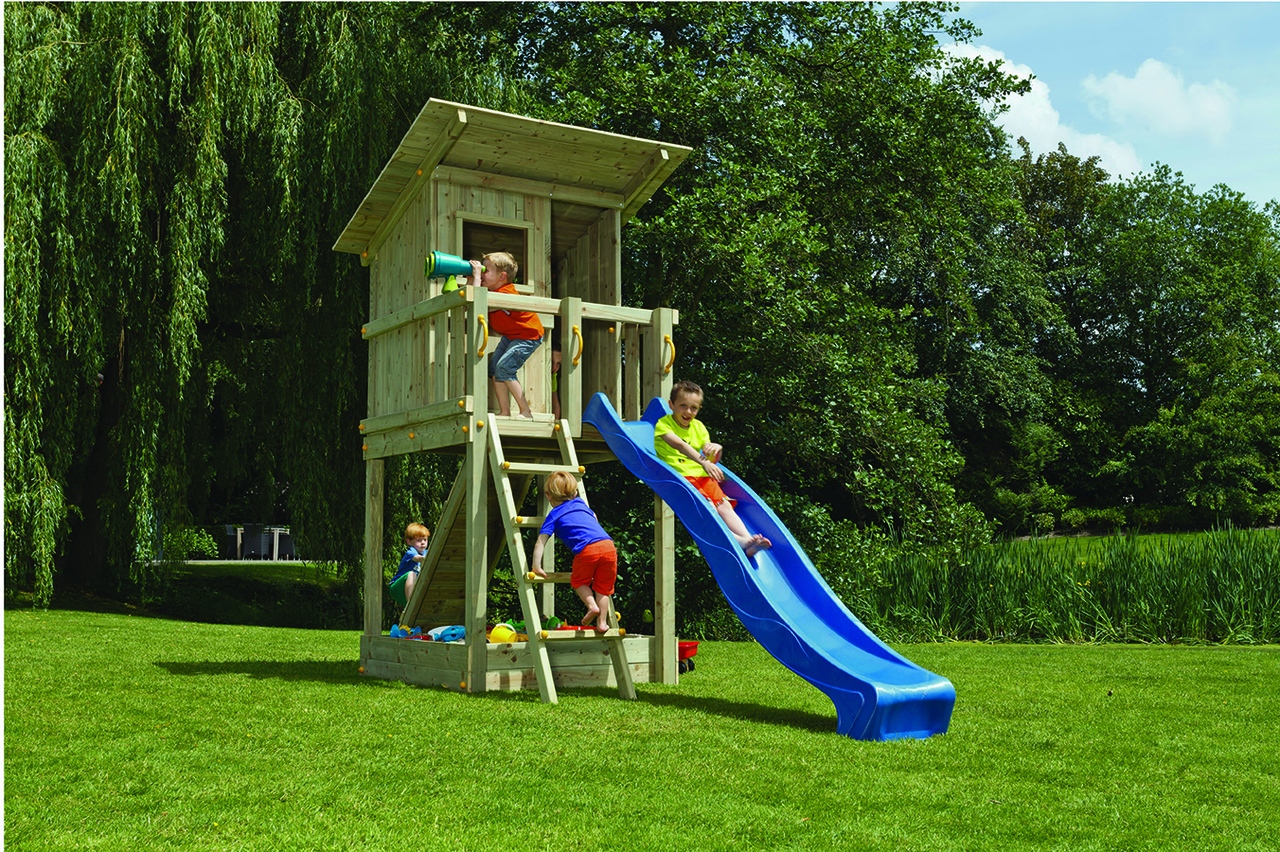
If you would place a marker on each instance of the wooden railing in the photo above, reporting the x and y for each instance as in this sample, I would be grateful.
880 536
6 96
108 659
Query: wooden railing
430 359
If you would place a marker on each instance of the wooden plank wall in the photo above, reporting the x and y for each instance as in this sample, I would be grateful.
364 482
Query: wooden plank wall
508 666
593 272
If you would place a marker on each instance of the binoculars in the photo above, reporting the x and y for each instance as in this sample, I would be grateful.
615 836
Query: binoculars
439 265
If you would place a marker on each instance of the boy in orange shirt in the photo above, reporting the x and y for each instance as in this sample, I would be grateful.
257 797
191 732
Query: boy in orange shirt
521 331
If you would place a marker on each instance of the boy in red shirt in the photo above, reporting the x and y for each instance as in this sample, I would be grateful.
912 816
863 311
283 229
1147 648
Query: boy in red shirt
521 331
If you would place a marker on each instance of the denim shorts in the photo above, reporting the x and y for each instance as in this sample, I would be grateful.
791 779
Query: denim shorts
510 356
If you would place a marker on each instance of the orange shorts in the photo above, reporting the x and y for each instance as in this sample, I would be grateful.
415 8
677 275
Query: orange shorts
596 565
710 489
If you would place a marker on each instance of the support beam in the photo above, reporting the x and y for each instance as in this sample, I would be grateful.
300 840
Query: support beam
374 478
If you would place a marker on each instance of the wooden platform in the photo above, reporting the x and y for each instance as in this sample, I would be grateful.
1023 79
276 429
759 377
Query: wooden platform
450 426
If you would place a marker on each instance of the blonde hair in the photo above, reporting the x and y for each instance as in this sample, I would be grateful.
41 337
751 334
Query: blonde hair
502 262
561 486
416 530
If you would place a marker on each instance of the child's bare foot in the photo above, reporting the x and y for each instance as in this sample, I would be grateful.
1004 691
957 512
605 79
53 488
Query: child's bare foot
603 623
526 416
592 615
757 544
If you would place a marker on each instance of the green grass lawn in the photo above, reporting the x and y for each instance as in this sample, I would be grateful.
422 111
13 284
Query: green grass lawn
127 732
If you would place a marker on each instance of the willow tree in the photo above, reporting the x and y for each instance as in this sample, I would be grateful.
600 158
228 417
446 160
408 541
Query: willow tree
178 333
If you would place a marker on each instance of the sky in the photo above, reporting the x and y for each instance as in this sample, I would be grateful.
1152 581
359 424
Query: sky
1192 85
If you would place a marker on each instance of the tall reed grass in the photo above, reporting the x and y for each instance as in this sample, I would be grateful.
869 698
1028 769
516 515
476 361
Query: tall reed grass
1220 587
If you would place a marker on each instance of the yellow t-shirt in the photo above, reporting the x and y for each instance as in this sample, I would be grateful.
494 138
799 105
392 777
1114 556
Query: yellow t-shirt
695 436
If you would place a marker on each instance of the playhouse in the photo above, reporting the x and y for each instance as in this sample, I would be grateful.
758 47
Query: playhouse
466 181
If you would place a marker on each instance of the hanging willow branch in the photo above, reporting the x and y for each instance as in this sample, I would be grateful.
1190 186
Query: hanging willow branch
177 330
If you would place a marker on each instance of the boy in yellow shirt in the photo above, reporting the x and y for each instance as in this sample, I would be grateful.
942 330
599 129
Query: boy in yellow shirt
683 442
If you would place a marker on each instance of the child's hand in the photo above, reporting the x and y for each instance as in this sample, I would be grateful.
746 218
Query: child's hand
476 269
713 470
537 569
712 452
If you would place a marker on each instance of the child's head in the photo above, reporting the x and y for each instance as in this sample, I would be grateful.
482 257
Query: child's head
502 262
561 486
684 387
686 402
416 535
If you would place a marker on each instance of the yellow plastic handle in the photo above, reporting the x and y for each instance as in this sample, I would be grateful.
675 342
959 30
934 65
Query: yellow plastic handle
671 343
484 326
577 333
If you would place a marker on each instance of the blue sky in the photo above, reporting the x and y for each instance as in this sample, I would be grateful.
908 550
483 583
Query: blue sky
1193 85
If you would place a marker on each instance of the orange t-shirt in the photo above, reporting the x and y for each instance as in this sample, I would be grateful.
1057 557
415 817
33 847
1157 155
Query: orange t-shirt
518 325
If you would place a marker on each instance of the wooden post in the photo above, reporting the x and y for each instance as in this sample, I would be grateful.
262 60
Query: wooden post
547 593
657 381
477 516
571 343
374 470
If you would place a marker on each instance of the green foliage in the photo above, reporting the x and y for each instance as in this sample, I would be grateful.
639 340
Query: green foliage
184 542
179 336
802 231
1215 587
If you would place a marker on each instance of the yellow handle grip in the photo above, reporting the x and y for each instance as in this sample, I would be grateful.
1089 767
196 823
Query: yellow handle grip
484 326
671 343
577 333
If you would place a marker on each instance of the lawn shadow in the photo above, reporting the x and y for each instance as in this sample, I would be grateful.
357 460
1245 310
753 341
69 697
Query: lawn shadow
746 711
324 671
711 705
346 671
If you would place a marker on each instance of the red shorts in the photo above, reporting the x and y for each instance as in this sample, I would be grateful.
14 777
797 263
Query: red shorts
710 489
596 565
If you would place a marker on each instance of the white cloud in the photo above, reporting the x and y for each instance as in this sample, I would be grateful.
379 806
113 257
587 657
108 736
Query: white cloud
1157 98
1033 117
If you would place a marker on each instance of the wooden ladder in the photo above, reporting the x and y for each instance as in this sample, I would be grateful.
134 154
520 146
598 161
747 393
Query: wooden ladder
527 581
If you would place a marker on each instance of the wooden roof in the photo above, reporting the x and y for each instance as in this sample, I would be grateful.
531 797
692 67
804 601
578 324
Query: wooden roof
576 166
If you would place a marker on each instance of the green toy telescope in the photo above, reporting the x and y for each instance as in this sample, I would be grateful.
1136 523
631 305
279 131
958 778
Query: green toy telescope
439 265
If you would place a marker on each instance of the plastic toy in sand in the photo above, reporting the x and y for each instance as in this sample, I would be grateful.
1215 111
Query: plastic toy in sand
502 633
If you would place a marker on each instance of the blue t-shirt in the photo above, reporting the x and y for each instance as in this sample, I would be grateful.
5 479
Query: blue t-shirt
575 524
408 563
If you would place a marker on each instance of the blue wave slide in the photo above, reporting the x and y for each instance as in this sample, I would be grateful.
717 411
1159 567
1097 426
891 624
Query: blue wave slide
782 599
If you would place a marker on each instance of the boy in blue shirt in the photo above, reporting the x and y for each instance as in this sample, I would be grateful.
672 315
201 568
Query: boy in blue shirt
415 537
595 559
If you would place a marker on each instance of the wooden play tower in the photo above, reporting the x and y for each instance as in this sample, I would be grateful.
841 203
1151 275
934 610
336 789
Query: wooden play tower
466 181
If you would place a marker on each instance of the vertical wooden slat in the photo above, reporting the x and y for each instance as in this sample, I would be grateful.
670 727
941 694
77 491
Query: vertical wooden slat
475 608
631 401
571 375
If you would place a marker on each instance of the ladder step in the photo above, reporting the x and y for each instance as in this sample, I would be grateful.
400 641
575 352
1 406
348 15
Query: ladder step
529 467
528 521
555 635
552 577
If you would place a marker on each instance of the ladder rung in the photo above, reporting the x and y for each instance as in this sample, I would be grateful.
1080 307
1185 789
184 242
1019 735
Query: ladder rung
529 467
552 577
532 522
555 635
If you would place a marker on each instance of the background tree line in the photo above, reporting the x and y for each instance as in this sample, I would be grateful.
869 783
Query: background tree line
909 331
